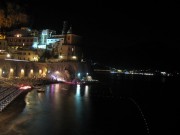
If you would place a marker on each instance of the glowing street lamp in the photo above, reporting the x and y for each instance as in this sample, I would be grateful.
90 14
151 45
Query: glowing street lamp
19 35
74 57
31 71
11 70
22 72
40 71
8 55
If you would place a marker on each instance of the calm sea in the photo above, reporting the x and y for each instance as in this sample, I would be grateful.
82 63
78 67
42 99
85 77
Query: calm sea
119 104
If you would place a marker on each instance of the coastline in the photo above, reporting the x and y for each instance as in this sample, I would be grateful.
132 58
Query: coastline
10 89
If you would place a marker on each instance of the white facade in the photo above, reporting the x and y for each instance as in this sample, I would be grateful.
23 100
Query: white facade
52 40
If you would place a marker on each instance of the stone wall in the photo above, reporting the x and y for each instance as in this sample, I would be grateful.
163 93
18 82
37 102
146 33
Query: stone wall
25 69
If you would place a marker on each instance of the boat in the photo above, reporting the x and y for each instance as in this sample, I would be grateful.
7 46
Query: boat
40 90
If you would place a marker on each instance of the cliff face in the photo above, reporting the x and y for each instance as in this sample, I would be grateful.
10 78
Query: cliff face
22 69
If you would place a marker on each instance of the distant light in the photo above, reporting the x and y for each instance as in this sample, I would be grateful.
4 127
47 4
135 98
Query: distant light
40 71
31 71
163 73
60 79
41 46
35 45
25 87
8 55
148 74
35 58
57 72
74 57
119 70
19 35
126 72
22 71
11 70
17 60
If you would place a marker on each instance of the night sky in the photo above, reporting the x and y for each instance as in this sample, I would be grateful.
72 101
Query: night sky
131 34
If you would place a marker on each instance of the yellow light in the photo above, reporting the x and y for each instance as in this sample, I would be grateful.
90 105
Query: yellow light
35 58
18 35
11 70
8 55
57 72
22 71
0 72
31 71
74 57
40 71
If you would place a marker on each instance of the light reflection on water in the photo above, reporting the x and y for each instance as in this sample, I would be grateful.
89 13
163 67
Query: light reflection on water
86 91
87 109
59 101
78 93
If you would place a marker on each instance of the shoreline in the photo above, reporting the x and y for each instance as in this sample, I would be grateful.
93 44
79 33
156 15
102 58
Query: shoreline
16 82
10 89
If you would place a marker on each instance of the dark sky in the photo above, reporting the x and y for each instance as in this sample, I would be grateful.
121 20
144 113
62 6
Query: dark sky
123 34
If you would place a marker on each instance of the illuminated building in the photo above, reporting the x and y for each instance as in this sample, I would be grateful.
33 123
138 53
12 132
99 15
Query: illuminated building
23 38
2 36
4 54
63 47
68 47
3 47
27 44
3 42
28 55
45 35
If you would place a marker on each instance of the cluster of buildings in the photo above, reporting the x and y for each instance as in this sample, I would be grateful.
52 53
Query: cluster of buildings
44 45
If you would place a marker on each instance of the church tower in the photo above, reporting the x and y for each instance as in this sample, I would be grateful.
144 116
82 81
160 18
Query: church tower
70 30
64 29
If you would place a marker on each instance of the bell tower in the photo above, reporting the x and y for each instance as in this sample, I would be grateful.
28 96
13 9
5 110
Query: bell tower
64 29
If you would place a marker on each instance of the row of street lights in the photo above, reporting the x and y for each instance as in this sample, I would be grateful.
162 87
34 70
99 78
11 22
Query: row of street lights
10 73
